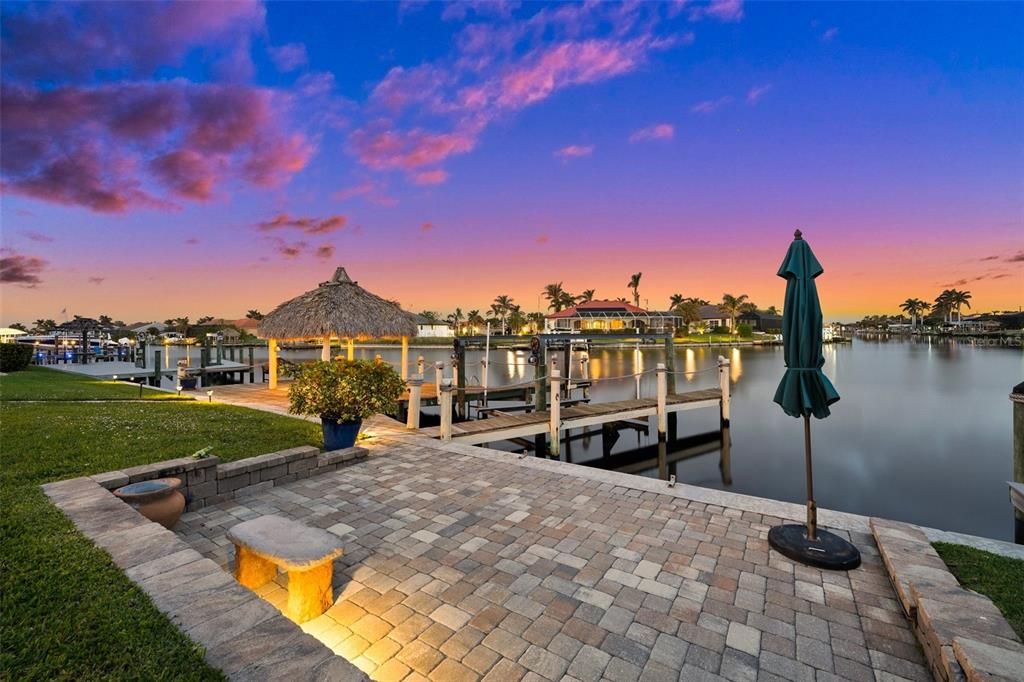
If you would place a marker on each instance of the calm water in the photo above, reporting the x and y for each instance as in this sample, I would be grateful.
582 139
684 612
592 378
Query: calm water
922 432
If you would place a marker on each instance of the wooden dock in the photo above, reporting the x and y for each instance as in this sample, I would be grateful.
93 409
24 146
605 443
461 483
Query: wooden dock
505 426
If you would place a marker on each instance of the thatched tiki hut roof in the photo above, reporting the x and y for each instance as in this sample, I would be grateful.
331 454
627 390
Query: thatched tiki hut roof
337 308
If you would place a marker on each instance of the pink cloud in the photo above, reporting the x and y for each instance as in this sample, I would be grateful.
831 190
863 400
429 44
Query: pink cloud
359 190
289 57
542 239
97 280
34 236
85 146
497 69
307 225
289 250
16 268
660 131
430 177
192 241
427 227
382 148
574 151
757 92
325 251
711 105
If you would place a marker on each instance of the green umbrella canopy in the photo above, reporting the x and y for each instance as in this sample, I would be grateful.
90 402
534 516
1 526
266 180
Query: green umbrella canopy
804 389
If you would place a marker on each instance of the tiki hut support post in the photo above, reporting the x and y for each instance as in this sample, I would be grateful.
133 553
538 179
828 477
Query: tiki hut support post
351 349
405 357
272 350
325 352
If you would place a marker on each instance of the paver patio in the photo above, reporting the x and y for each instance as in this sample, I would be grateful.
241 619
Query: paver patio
466 563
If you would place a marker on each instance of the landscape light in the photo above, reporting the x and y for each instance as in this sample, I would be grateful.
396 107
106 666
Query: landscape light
179 389
115 377
209 396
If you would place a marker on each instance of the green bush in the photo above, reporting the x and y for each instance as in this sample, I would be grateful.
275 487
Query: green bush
720 329
745 330
345 390
14 356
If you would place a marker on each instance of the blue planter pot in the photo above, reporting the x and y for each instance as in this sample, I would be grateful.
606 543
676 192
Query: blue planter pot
340 436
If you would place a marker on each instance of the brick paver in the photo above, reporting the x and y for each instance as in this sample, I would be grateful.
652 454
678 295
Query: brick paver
461 567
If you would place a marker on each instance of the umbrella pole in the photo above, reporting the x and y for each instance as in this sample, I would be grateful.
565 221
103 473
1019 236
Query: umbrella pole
812 508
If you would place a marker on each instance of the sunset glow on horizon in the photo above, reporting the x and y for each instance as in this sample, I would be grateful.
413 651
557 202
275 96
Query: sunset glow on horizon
170 159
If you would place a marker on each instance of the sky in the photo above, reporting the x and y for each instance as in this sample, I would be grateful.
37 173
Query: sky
166 159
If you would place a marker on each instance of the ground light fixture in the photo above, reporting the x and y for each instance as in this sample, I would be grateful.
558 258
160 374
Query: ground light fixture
209 396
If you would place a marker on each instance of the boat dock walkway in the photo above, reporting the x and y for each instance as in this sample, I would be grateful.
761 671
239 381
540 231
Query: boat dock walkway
504 426
128 370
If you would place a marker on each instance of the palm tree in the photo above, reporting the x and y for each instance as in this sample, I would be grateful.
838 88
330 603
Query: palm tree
254 315
944 305
772 310
182 323
733 306
914 307
959 299
475 320
43 326
204 319
105 320
504 307
558 298
699 301
634 284
586 296
516 319
455 320
430 315
675 300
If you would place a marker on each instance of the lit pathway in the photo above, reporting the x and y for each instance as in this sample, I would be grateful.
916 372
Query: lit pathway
463 562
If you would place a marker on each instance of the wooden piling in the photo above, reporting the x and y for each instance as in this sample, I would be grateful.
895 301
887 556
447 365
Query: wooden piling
670 367
446 409
351 349
412 419
155 380
555 410
662 388
420 364
540 399
1017 396
723 383
460 378
252 365
405 357
438 379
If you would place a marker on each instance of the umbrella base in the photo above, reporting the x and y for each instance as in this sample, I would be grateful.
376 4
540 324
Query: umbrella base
828 551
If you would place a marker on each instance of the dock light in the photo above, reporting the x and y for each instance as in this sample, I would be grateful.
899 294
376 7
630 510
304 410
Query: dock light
209 396
178 387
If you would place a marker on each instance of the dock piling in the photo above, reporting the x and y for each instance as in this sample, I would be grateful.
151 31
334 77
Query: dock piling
446 410
438 378
155 380
662 383
252 365
1017 396
415 393
556 413
272 363
723 383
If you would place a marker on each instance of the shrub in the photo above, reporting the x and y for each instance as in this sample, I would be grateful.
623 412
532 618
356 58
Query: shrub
721 329
14 356
345 390
745 330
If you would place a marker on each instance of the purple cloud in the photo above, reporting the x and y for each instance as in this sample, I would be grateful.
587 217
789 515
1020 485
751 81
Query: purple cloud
17 268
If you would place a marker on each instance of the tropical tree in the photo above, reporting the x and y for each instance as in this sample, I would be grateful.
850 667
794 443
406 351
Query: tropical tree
105 320
772 310
474 320
431 315
634 284
43 326
204 319
733 306
675 300
699 301
182 323
536 321
689 311
944 305
254 315
516 319
558 298
19 325
502 307
586 296
455 320
914 307
959 299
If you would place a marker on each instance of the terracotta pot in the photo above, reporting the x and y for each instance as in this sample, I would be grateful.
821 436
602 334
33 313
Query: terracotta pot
158 500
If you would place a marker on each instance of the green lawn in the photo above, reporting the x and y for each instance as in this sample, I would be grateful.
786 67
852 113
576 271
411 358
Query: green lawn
999 578
66 612
39 383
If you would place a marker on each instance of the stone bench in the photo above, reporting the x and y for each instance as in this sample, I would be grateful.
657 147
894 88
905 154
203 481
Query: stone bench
270 542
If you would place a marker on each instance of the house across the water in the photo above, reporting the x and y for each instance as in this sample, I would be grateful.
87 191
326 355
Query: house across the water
428 327
762 321
610 316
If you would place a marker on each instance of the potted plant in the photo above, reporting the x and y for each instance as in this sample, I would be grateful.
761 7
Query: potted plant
343 393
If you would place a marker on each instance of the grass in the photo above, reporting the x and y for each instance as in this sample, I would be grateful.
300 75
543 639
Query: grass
66 612
999 578
39 383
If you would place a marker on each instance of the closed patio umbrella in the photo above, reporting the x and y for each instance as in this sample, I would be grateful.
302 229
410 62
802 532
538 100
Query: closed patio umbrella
805 391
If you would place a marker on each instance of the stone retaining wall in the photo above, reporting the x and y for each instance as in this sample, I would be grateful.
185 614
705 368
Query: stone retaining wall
207 480
963 634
